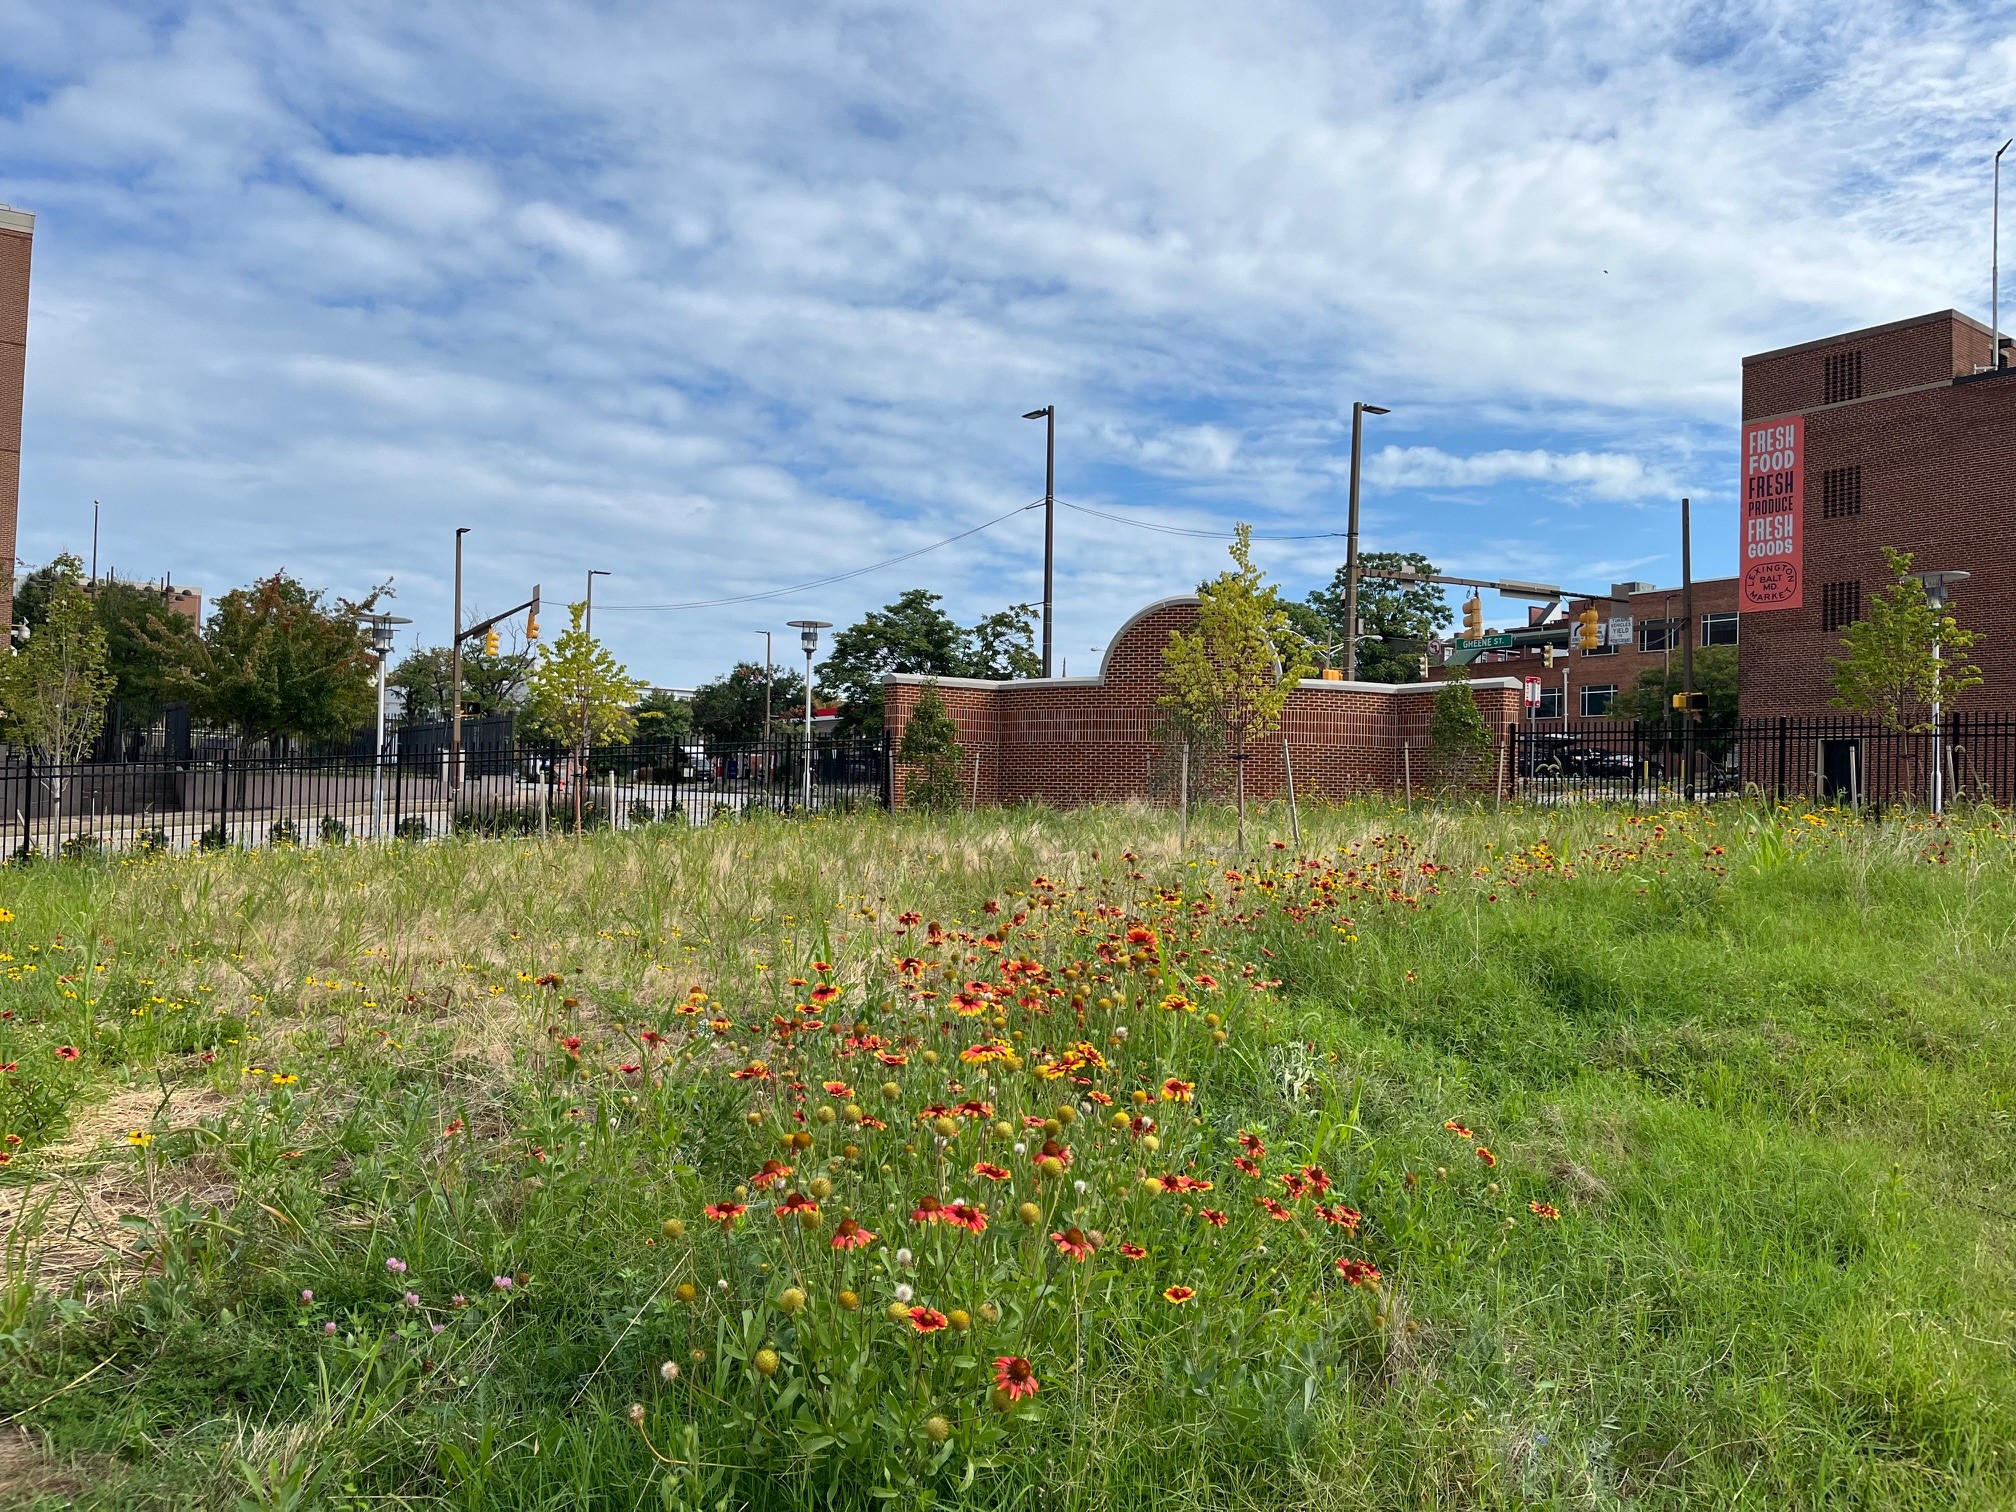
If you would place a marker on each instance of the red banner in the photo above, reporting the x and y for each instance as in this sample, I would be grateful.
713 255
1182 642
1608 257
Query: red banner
1774 515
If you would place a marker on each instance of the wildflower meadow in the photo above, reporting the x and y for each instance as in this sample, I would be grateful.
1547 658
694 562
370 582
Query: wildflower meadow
1444 1158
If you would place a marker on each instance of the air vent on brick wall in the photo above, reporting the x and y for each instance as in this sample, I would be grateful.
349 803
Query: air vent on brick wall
1840 493
1840 605
1844 378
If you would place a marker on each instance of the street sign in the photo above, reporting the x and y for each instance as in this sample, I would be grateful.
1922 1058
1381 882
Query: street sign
1618 631
1483 643
1533 692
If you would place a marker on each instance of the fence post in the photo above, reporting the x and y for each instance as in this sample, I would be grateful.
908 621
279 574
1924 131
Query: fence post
1288 768
1784 732
1406 773
28 800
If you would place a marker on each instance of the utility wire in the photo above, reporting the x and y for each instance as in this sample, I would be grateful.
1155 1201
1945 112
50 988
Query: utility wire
1180 530
838 577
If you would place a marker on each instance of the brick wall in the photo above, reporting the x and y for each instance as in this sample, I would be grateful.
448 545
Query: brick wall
1072 740
1938 469
15 246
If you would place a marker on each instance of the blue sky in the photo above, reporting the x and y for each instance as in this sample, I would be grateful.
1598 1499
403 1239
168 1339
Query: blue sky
725 298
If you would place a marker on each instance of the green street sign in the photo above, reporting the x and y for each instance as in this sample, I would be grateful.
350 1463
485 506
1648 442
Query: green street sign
1488 643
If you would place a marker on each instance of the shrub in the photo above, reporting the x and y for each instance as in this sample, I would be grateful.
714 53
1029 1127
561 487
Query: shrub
930 747
283 832
215 838
412 827
1459 742
333 831
151 842
82 847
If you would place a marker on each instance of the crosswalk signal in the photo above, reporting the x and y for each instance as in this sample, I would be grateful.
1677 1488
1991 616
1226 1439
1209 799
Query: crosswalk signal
1699 702
531 627
1587 636
491 644
1473 617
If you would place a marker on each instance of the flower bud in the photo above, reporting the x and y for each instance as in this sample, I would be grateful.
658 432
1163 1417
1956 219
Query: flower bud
937 1429
1029 1213
686 1291
766 1362
673 1228
848 1302
821 1188
959 1319
892 1090
791 1300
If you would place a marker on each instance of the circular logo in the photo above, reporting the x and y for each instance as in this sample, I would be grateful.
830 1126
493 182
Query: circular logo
1770 583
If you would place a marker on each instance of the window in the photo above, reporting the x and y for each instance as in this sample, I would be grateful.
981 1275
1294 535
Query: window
1718 629
1659 635
1596 701
1603 650
1550 704
1840 605
1840 493
1844 378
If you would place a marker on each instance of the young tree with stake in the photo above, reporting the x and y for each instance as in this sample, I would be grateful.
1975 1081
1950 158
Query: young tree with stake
580 694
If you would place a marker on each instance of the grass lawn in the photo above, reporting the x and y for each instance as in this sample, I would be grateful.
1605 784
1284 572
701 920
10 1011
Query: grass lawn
1450 1159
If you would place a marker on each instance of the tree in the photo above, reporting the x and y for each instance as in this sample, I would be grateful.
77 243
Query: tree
276 664
663 717
425 682
914 635
1890 671
730 708
1649 701
581 695
1459 742
53 691
144 639
1233 673
931 746
1397 620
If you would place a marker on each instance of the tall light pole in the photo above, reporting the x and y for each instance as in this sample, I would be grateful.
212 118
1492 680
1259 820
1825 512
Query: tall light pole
455 677
1358 413
1995 267
1048 414
808 637
766 682
382 636
581 766
1938 592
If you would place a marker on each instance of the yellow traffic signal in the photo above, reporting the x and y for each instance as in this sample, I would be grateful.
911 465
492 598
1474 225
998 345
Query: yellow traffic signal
1547 656
1473 617
491 644
531 627
1587 636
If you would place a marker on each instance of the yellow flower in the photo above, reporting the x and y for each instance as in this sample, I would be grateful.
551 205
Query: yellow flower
139 1139
284 1078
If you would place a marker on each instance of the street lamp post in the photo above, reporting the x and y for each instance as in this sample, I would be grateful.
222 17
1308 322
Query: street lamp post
1359 411
455 677
1938 592
1994 267
808 637
767 679
581 766
382 635
1048 414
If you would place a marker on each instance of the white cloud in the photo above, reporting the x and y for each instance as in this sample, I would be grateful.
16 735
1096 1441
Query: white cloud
728 300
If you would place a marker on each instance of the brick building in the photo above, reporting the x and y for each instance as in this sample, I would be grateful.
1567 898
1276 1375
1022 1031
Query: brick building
1644 628
1069 740
1900 435
17 237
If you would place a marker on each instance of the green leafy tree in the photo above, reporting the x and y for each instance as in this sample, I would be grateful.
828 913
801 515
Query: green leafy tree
144 639
663 717
1231 675
930 747
1397 619
1459 741
277 662
580 695
730 708
1889 671
425 680
915 635
54 689
1649 701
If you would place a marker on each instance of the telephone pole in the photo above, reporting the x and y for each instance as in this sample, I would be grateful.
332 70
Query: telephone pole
1358 413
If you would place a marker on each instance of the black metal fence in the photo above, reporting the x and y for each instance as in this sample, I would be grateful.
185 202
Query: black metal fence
226 800
1841 761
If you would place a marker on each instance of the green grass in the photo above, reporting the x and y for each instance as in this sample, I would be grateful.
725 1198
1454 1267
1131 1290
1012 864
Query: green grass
1759 1060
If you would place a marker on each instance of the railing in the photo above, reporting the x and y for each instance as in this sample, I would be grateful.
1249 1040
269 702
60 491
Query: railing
520 789
1842 761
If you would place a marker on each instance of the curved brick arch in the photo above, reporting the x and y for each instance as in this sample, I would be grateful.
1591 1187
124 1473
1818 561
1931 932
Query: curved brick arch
1070 740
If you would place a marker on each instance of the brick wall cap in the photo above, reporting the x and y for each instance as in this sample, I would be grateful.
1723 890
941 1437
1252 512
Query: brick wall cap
1320 683
1929 318
17 220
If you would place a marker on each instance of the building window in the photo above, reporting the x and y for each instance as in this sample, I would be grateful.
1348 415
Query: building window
1604 650
1840 605
1840 493
1844 378
1596 701
1550 704
1659 635
1719 629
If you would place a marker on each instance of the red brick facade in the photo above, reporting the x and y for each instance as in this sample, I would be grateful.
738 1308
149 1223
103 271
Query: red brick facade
1070 740
16 241
1922 458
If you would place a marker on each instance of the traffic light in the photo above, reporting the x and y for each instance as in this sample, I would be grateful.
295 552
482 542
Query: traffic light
1547 657
1700 702
491 644
1587 636
1473 617
1423 666
531 627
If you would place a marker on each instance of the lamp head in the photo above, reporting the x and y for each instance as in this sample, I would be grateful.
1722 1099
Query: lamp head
808 632
1375 409
1042 414
1939 585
